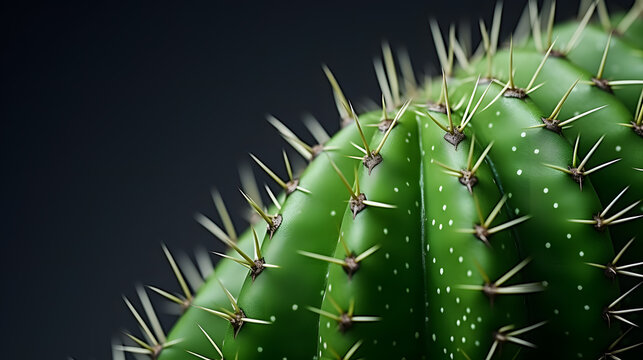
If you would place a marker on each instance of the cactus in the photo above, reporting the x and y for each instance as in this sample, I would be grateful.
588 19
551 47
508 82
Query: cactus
491 213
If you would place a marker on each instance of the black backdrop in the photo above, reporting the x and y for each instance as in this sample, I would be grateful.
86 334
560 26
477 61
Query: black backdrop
118 118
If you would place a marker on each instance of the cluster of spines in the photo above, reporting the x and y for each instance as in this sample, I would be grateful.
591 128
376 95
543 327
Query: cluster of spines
155 342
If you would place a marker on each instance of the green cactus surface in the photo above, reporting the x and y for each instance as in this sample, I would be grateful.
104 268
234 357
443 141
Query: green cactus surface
492 212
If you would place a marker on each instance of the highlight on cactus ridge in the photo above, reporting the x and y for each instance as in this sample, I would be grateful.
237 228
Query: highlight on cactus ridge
490 212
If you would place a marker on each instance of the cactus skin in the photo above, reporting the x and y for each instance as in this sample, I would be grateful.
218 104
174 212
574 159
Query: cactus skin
549 241
425 289
454 312
383 286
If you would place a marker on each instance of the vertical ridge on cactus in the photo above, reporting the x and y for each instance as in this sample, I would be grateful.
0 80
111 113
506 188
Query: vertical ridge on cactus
491 221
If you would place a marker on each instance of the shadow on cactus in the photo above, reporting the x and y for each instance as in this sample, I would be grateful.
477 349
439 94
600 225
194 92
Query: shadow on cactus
489 213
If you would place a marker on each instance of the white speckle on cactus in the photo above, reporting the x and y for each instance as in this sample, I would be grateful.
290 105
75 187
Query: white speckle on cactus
460 259
457 301
441 309
295 306
513 148
437 291
394 271
440 188
434 337
579 287
586 307
547 245
469 273
333 213
408 290
569 236
618 148
473 326
273 318
385 230
450 222
428 247
490 125
259 349
519 172
581 254
444 207
555 205
387 255
556 312
517 211
523 134
406 265
451 250
433 222
545 190
396 189
536 151
440 227
379 288
448 289
464 339
441 271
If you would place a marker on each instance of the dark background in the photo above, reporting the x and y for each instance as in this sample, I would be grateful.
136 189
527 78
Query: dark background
118 118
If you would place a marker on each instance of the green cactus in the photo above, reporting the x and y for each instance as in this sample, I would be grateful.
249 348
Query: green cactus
489 213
